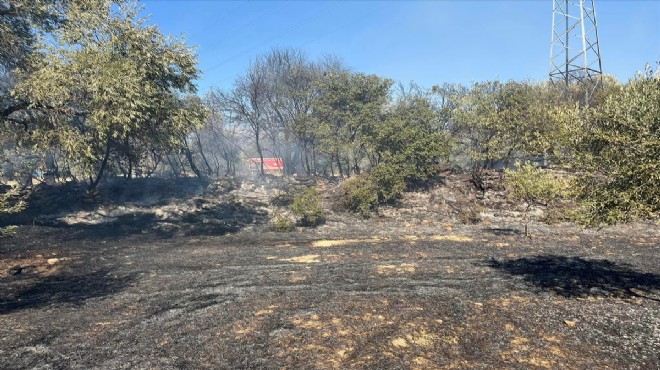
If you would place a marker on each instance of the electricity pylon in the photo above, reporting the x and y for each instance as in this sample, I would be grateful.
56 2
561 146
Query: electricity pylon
575 50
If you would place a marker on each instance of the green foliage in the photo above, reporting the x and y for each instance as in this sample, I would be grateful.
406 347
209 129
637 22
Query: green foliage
282 224
8 206
617 154
22 24
360 195
405 148
495 121
389 181
20 21
383 184
308 207
348 106
533 185
108 86
8 231
409 143
561 212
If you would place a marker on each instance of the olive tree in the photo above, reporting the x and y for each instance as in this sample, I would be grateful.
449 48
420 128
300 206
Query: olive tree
106 78
616 153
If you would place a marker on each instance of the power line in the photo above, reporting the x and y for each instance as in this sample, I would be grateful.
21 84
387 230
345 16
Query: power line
343 26
249 24
216 21
276 36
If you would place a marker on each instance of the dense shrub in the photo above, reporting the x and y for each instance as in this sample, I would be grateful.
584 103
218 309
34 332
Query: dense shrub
617 155
558 214
360 195
406 147
307 206
389 181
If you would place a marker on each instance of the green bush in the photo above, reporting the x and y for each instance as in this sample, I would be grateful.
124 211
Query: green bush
617 151
409 144
282 224
307 206
533 186
8 206
389 181
360 195
384 184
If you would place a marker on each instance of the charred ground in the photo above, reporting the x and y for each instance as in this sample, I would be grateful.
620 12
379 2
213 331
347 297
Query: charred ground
195 279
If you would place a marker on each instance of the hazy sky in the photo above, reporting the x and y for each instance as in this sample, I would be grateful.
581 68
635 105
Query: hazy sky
427 42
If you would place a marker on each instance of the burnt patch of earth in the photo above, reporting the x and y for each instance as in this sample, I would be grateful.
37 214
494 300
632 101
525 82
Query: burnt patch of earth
157 206
356 296
198 281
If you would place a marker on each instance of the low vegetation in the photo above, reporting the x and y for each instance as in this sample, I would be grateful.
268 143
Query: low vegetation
360 195
532 186
10 203
282 223
308 207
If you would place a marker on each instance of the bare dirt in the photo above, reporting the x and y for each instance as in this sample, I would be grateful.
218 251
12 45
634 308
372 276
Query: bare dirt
205 284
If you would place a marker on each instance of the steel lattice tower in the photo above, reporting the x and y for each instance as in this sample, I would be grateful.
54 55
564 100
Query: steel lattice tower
575 51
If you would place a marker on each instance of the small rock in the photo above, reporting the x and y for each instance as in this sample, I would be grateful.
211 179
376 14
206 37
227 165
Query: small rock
448 197
52 261
569 323
15 270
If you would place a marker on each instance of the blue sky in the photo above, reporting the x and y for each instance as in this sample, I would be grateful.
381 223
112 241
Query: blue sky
428 42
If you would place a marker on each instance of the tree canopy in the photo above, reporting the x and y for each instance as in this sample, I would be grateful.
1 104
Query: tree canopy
107 83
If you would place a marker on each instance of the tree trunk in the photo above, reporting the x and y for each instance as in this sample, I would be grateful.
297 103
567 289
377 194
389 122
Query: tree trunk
156 159
308 168
314 169
174 168
356 166
261 155
201 152
188 154
130 168
341 171
93 183
52 172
